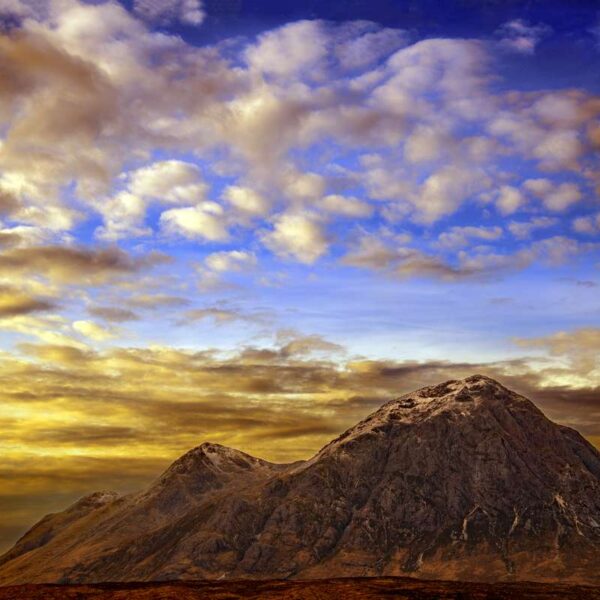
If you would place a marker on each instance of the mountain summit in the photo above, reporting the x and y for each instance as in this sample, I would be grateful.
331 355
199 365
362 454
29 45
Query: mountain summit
462 480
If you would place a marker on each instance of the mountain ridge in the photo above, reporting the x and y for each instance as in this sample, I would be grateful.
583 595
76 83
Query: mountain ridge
462 480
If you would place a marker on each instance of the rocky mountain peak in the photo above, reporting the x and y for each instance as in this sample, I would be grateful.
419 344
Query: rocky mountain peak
209 456
475 397
464 480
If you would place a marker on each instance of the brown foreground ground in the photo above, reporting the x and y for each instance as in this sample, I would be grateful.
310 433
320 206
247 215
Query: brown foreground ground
325 589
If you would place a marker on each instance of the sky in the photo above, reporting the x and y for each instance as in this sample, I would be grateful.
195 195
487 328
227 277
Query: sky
252 223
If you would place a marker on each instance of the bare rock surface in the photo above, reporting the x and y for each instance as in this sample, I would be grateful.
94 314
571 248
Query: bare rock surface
465 480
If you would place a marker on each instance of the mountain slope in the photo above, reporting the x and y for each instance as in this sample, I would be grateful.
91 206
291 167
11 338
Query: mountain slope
463 480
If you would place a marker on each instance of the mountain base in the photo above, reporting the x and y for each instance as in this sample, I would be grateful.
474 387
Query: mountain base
400 588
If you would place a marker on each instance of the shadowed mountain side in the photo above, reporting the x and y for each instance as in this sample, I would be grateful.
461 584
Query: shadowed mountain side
464 480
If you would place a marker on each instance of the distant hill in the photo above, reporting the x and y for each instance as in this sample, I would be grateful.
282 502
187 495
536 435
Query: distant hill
465 480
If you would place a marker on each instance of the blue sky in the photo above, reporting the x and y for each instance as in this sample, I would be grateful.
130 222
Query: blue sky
364 172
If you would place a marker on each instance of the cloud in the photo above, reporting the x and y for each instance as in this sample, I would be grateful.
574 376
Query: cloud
113 314
589 225
360 44
204 221
518 36
158 300
14 302
457 237
169 181
523 229
555 197
580 348
165 13
291 50
93 331
246 200
123 218
395 258
81 265
510 199
422 120
233 260
398 260
8 202
346 206
444 191
221 315
298 236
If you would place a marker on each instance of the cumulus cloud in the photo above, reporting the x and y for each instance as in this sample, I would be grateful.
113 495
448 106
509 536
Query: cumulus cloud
246 200
170 181
589 225
291 50
444 191
298 236
123 218
510 199
133 95
203 221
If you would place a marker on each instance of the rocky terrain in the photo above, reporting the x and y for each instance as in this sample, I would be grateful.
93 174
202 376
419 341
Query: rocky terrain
465 480
318 589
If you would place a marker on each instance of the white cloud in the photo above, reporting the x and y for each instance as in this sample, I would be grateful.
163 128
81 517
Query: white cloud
510 199
246 200
171 181
93 331
447 189
123 217
291 50
298 236
204 221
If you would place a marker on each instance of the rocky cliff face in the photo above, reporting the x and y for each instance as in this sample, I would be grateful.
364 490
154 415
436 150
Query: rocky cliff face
463 480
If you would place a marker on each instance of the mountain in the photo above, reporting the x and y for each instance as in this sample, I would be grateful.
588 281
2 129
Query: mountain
463 480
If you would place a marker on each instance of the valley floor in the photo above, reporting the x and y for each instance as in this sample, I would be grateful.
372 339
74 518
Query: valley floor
324 589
